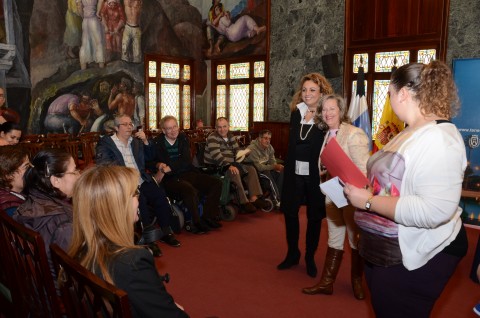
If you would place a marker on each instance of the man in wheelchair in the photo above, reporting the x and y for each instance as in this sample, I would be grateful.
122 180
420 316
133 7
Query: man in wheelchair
221 150
173 163
262 156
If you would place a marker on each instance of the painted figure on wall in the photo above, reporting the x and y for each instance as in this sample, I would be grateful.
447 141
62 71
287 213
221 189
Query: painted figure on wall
244 27
102 91
139 115
70 113
214 15
121 98
72 37
132 35
113 20
93 42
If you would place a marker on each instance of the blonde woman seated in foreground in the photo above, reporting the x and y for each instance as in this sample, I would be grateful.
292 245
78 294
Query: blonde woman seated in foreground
105 208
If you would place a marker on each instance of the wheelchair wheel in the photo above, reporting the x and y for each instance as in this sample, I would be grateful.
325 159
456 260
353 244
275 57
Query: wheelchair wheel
177 218
270 206
228 213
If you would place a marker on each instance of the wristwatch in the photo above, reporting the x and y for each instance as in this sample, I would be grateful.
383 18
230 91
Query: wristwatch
368 204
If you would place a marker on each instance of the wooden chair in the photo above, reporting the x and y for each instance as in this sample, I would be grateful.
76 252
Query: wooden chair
31 138
7 283
34 294
57 138
70 146
34 147
88 143
84 293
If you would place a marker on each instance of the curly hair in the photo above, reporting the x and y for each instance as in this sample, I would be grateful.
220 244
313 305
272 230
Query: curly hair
320 80
11 159
432 86
341 106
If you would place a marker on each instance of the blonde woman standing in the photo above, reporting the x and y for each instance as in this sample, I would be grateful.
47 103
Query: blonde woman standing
332 118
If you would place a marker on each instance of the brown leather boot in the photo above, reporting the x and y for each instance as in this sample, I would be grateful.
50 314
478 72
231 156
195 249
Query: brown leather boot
357 273
329 274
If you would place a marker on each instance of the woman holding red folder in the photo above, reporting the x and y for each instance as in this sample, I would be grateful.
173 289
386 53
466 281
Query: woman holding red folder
332 118
301 175
412 234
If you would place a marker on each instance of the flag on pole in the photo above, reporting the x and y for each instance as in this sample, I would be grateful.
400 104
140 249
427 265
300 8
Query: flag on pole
388 127
358 109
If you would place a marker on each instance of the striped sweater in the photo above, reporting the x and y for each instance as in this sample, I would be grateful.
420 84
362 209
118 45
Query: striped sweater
220 152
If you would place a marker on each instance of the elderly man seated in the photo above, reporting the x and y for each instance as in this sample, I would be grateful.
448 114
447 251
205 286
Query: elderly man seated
221 150
262 156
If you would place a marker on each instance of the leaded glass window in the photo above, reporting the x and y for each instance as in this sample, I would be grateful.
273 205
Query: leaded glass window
360 60
152 105
426 56
380 90
258 102
170 91
239 70
384 61
240 95
170 70
152 69
221 101
186 107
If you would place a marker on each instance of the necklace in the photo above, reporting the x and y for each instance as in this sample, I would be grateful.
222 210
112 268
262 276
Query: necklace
308 131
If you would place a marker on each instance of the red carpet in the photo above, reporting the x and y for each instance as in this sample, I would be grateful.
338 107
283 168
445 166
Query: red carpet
231 273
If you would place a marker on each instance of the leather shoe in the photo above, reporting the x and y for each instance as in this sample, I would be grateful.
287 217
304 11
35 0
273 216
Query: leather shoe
212 223
248 208
199 228
170 240
154 249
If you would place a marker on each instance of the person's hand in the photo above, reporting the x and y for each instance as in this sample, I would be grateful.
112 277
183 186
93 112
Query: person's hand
233 170
141 135
164 167
356 196
2 120
278 167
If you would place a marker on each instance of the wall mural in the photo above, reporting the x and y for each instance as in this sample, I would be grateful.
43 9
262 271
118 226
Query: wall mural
85 57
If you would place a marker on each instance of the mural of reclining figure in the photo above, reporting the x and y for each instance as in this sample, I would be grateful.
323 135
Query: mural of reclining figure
244 27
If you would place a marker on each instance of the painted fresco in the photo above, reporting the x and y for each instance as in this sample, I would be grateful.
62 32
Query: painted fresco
85 58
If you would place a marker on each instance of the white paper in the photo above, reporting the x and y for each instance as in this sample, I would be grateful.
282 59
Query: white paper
333 188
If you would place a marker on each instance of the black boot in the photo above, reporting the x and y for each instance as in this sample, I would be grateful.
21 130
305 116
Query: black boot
313 236
292 227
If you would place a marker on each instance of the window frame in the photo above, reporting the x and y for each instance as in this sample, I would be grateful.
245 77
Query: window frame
251 81
158 80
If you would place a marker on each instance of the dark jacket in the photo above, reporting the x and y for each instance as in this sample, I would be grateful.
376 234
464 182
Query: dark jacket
51 217
179 166
9 201
108 153
288 199
135 273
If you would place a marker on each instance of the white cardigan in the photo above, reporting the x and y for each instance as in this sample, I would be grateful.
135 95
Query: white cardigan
427 211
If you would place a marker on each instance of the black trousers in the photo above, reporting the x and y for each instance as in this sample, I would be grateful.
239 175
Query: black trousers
190 187
153 198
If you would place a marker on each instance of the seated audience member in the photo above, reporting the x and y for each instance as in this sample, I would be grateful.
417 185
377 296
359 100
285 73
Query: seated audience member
221 150
13 164
199 124
10 133
182 180
262 156
105 205
49 188
123 149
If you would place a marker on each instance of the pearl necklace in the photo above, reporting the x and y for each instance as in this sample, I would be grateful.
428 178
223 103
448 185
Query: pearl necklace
301 128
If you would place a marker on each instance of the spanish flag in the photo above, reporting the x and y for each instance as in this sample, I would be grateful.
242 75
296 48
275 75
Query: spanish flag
388 127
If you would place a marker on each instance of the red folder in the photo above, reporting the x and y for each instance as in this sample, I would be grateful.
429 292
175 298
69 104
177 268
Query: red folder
340 165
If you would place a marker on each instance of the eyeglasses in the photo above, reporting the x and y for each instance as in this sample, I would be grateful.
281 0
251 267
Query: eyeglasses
126 124
76 172
137 192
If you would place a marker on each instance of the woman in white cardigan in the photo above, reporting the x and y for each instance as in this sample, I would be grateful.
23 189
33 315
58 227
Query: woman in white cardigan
412 235
332 118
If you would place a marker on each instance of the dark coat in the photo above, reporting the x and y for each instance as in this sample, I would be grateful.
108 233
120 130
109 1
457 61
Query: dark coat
288 198
134 272
108 153
179 166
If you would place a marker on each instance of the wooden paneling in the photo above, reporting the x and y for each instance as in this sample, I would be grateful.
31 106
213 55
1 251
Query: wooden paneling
279 136
370 21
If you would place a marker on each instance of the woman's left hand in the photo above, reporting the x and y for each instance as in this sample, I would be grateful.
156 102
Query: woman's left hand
356 196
